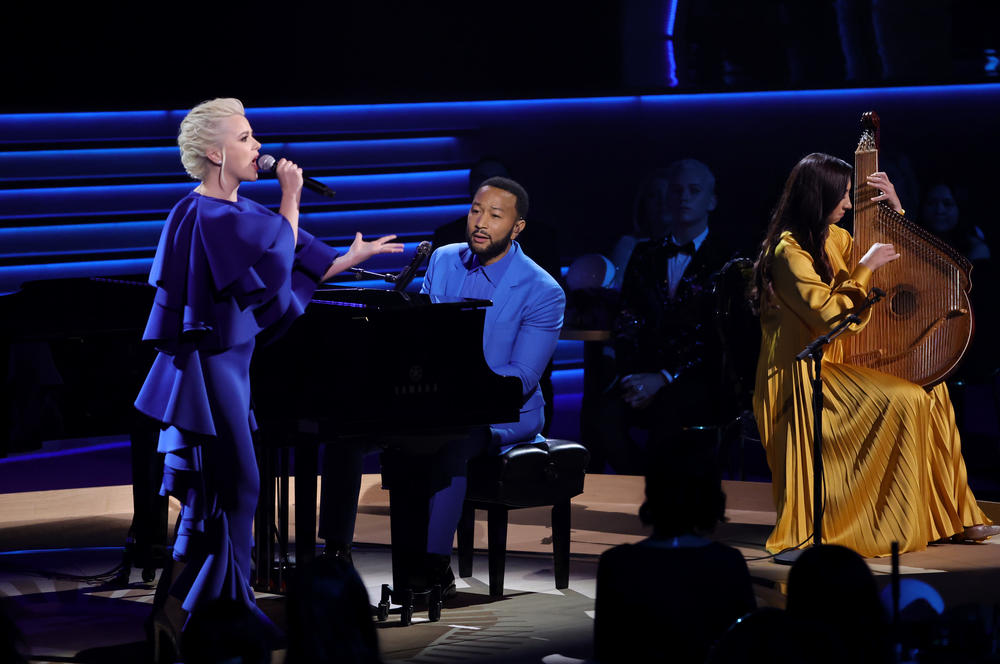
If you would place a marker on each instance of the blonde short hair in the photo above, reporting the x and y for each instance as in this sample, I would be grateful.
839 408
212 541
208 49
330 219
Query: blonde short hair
200 133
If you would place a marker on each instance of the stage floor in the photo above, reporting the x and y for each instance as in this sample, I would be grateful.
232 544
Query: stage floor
47 537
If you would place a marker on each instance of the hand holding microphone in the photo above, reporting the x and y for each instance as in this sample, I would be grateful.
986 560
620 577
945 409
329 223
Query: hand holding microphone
289 175
268 164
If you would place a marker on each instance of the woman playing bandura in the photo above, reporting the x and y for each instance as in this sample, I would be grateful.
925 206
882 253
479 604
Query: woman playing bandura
893 469
226 270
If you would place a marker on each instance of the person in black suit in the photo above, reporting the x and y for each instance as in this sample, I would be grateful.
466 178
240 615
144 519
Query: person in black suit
666 346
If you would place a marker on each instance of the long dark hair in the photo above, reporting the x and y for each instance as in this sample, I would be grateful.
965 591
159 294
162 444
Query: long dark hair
813 190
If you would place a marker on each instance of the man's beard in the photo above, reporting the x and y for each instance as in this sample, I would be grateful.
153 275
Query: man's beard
492 250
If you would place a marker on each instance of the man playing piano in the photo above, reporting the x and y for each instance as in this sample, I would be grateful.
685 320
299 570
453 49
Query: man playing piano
519 338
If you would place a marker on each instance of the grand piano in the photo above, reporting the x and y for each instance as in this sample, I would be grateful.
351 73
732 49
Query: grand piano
405 368
402 367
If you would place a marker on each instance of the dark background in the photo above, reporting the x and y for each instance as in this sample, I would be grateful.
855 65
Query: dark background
102 57
94 56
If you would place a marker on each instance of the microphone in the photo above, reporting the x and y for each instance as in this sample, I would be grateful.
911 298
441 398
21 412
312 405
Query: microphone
403 279
267 164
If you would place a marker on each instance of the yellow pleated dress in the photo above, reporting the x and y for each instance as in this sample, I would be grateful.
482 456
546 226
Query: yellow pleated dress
892 458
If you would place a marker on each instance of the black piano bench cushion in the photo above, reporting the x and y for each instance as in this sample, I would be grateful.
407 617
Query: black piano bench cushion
529 475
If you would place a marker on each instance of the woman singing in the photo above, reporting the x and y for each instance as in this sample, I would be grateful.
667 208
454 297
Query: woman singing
893 469
226 270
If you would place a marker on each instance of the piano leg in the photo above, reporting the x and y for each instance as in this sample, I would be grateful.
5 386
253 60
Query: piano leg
306 468
282 513
408 514
147 541
271 522
263 531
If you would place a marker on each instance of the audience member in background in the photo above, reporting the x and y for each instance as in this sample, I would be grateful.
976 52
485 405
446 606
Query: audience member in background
329 616
650 220
940 214
592 278
672 595
831 586
772 635
666 348
224 631
946 212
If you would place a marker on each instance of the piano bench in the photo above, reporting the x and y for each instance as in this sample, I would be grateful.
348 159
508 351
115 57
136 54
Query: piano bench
550 472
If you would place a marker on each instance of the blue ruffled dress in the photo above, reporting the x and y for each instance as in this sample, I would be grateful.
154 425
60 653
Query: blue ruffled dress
227 274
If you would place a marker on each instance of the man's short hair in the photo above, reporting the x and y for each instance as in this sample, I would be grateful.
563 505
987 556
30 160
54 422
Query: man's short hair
674 169
509 185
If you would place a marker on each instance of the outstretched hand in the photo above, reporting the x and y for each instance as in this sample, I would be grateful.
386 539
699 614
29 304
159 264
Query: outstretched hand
361 250
887 191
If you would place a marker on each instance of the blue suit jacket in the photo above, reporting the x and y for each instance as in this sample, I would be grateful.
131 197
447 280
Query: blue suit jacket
521 329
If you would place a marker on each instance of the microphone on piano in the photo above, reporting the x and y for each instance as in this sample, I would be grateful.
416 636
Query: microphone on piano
267 164
403 279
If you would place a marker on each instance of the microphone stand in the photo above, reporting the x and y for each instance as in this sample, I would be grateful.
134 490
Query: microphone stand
362 274
405 276
815 351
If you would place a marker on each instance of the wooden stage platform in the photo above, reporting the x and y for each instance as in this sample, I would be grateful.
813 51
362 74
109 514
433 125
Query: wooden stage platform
81 531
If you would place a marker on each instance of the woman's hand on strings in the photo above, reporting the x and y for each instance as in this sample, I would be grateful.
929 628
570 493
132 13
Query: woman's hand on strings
887 191
878 255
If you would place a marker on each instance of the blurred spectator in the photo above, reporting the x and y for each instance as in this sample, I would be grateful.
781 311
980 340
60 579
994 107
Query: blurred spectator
225 631
831 586
946 211
666 347
650 220
940 213
591 278
672 595
329 615
773 636
590 300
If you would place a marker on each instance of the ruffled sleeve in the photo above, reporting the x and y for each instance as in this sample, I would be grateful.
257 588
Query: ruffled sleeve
819 305
225 271
311 261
